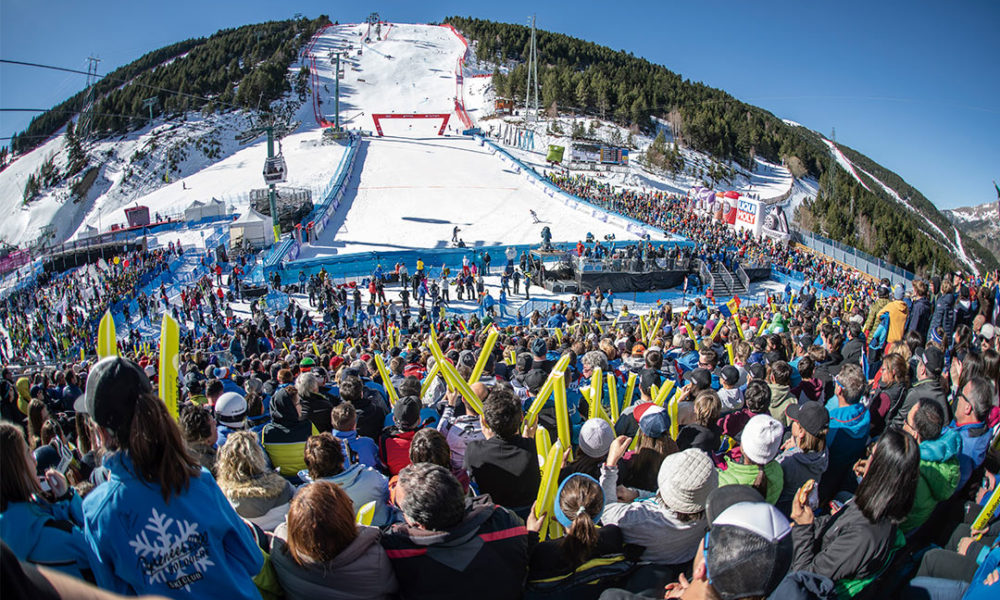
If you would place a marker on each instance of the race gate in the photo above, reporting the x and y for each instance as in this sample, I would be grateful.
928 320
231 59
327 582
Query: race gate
377 118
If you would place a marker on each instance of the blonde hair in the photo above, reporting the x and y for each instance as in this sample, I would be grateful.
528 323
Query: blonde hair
902 349
241 459
707 407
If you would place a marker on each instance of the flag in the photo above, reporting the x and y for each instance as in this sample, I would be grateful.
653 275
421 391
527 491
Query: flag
107 341
730 308
169 349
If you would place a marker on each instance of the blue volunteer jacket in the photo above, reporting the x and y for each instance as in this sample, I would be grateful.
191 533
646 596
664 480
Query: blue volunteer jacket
195 546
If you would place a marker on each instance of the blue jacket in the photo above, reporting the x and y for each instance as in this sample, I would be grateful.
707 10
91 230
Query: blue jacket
49 535
195 546
364 447
363 485
978 590
846 441
975 444
944 315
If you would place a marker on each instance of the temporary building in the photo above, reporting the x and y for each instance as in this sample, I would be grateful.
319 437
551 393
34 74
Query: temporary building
199 210
251 227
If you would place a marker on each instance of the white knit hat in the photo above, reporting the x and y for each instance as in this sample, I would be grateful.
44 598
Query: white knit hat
596 437
761 439
686 479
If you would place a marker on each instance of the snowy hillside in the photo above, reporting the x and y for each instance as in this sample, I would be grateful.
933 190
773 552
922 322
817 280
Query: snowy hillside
981 222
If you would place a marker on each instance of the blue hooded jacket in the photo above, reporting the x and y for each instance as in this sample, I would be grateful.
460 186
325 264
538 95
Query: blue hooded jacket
975 443
49 535
364 447
195 546
363 485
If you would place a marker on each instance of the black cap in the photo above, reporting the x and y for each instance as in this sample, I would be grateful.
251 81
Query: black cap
811 415
648 378
406 413
933 359
723 497
701 378
113 388
757 371
729 375
535 379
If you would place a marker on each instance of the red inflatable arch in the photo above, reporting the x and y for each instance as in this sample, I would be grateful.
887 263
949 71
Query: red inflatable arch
377 118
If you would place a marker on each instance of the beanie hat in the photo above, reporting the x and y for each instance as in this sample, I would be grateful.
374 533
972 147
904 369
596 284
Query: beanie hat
406 413
748 551
596 437
686 479
538 347
761 439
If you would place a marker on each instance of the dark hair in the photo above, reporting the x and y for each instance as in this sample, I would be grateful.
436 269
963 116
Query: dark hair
972 366
757 396
502 413
344 417
155 445
928 420
645 462
852 380
19 481
320 523
981 395
581 537
781 373
351 389
806 367
890 484
654 359
214 388
35 421
432 497
195 422
324 456
410 386
429 445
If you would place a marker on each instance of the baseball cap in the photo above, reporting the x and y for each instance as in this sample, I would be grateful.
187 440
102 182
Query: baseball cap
987 331
761 439
406 413
654 421
648 378
596 436
811 415
638 349
701 378
728 495
730 375
757 371
933 359
748 550
113 389
686 479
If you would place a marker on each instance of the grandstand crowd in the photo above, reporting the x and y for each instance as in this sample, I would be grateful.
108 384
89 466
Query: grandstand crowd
840 444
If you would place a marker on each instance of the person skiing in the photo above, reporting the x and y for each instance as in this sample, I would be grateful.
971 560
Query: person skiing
454 234
534 216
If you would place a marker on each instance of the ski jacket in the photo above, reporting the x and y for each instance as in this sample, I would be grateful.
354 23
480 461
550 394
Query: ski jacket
938 478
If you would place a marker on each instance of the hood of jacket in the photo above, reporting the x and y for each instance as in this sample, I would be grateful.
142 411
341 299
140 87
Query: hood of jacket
779 394
265 485
283 409
21 526
942 449
456 547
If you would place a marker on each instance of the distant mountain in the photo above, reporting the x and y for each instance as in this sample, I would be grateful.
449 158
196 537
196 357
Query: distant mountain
980 222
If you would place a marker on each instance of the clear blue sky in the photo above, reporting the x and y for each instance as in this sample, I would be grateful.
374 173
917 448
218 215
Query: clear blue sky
913 84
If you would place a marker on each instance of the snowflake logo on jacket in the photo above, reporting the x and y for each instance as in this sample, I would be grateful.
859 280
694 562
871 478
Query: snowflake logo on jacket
176 559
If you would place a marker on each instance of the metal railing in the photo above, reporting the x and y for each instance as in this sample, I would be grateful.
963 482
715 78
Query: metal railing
706 275
743 277
862 261
727 277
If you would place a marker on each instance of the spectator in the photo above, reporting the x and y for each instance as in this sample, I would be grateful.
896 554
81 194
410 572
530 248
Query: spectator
395 440
757 398
653 446
319 552
447 549
344 419
324 456
857 543
670 525
848 434
284 438
370 413
256 492
155 485
316 407
972 410
40 515
460 430
805 456
927 385
779 378
760 443
939 464
200 434
504 464
561 565
703 434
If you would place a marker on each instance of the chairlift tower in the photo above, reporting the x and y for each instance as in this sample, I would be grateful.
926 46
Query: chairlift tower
87 118
275 169
531 100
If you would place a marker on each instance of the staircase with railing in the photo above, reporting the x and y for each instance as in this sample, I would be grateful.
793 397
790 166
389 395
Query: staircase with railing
722 280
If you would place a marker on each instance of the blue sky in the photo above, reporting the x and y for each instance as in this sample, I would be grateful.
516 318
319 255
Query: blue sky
915 85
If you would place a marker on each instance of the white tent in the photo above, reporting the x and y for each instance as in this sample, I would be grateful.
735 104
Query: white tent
199 210
252 227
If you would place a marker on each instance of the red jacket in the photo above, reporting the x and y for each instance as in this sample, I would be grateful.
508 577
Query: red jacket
395 449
